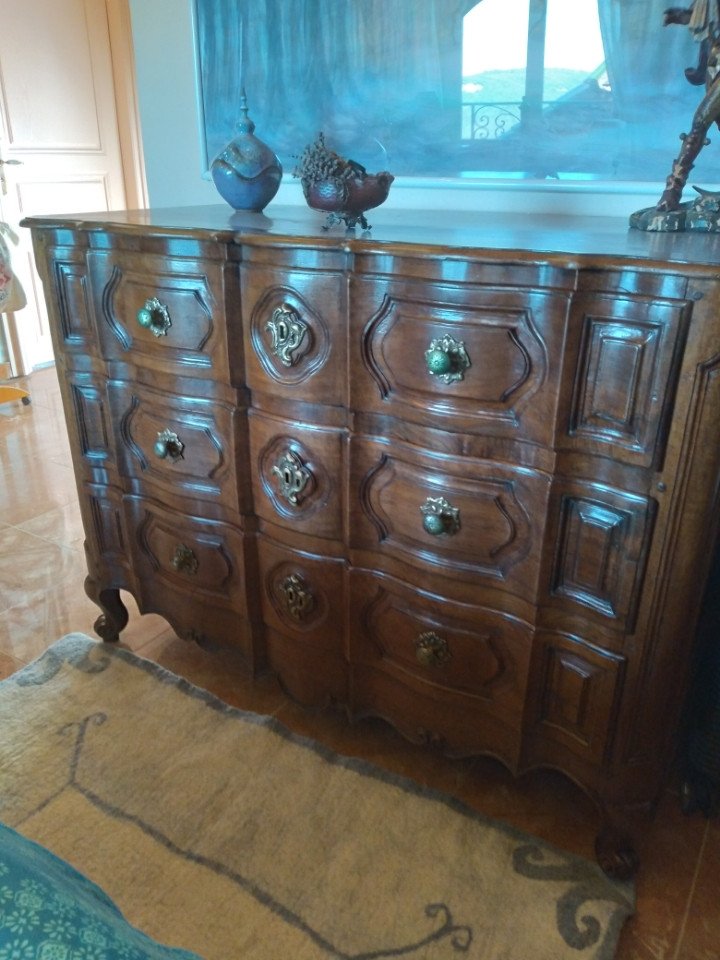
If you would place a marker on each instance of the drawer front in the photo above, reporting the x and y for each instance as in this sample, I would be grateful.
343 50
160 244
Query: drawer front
461 519
187 445
303 608
192 571
628 359
431 644
294 324
464 357
298 473
162 312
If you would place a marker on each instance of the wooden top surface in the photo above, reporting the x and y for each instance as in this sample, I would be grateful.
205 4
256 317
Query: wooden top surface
541 238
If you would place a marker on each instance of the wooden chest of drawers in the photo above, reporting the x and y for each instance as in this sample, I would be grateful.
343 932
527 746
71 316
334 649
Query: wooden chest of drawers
462 477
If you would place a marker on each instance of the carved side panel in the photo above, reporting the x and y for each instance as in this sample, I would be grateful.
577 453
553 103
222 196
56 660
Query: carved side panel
105 531
627 374
73 302
602 543
92 419
580 688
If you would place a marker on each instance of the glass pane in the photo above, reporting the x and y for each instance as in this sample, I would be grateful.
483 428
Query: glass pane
548 89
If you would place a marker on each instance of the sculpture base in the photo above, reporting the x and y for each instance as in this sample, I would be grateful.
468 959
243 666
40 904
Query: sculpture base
701 215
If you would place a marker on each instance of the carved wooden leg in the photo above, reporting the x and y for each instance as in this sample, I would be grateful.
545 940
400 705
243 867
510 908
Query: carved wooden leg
114 614
614 848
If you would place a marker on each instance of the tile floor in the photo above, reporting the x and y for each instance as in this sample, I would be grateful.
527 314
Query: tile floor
42 598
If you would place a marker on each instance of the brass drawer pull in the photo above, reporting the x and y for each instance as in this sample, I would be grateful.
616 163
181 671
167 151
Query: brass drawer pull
447 359
432 650
154 316
287 332
297 597
440 516
169 446
292 475
184 560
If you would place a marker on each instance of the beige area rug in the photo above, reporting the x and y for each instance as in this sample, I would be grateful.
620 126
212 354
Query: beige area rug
223 833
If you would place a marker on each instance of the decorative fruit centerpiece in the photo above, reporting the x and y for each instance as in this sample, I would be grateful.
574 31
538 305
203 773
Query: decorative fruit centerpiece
342 187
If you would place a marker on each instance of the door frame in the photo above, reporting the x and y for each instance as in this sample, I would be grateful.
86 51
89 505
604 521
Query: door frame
122 56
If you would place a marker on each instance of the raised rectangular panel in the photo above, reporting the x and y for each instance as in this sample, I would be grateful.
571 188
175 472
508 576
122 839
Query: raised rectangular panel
71 191
40 107
602 542
92 419
71 284
580 686
626 374
106 529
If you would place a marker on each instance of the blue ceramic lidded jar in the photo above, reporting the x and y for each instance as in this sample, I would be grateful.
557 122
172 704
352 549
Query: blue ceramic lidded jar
246 173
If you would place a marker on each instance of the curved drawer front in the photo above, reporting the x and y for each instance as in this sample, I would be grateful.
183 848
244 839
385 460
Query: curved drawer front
164 313
303 608
187 445
467 519
430 642
295 334
466 357
201 557
298 475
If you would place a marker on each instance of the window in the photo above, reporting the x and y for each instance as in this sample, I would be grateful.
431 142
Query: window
573 90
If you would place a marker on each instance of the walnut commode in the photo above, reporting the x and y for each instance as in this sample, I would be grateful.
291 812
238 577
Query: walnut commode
461 477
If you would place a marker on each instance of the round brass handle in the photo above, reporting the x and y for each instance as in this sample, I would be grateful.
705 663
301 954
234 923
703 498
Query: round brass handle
439 516
447 359
169 446
154 316
432 650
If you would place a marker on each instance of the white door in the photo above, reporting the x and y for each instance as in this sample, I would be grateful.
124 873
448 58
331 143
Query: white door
59 140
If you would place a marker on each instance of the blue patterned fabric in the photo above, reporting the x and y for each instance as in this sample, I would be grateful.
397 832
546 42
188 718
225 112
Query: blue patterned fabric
49 911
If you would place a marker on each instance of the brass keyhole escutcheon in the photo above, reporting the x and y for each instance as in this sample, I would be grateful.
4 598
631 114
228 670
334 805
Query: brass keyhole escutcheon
297 597
287 332
292 476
